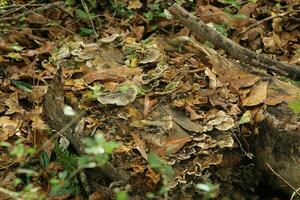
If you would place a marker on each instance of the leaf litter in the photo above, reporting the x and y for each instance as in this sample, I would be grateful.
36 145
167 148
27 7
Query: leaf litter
178 98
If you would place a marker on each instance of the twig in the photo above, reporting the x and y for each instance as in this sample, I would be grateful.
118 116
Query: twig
248 154
285 181
9 193
90 18
15 10
294 193
267 19
38 9
25 13
233 49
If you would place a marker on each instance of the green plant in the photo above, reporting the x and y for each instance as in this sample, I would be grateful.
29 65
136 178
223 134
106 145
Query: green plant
222 28
3 3
157 10
97 151
121 10
295 106
209 190
165 170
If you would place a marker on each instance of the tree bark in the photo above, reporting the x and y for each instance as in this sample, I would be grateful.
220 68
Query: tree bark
200 29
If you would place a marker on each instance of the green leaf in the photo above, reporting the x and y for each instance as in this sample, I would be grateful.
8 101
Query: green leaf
22 85
295 106
122 195
15 56
149 15
246 117
210 190
16 47
81 14
86 31
69 2
208 44
155 161
66 159
44 159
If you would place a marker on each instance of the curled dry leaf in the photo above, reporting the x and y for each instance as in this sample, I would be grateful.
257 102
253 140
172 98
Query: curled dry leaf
13 104
8 127
193 113
213 81
141 145
149 104
172 145
134 4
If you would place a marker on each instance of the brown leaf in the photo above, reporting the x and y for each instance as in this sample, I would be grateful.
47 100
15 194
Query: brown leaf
13 104
244 82
149 104
116 73
48 146
153 176
257 95
172 145
8 127
141 145
193 113
135 4
36 19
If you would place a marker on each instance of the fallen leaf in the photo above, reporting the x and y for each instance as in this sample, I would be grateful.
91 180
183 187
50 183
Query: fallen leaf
172 145
257 95
141 145
193 113
8 127
213 81
246 117
116 73
134 4
13 104
149 104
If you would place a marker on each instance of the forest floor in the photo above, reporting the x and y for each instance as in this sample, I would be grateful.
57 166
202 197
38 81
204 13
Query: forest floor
115 99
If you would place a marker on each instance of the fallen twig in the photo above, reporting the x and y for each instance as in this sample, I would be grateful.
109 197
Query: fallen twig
34 11
267 19
285 181
235 50
28 11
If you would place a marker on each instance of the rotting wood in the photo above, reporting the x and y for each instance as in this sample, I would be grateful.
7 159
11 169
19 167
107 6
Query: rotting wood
55 118
238 52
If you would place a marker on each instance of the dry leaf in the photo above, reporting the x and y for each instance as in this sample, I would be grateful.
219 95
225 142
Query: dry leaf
115 73
13 104
8 127
149 104
257 95
134 4
141 145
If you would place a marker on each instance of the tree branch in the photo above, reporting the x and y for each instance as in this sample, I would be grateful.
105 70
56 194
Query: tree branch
235 50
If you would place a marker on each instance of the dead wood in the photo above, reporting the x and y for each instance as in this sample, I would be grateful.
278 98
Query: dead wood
277 141
65 126
238 52
278 146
